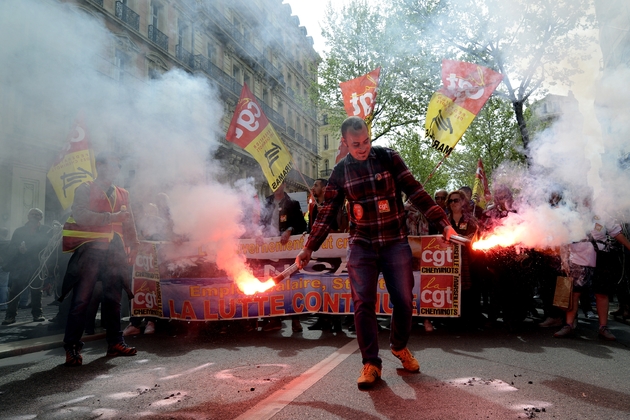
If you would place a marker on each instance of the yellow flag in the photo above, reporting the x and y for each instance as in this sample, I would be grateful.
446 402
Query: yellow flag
250 129
73 166
466 89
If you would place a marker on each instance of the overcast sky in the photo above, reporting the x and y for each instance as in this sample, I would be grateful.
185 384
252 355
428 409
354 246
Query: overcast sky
311 13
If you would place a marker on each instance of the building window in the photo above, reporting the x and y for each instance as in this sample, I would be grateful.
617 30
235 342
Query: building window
265 95
247 79
326 165
155 14
155 71
325 119
121 64
236 73
326 145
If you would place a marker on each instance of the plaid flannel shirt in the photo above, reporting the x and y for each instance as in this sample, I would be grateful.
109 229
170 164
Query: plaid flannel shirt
372 188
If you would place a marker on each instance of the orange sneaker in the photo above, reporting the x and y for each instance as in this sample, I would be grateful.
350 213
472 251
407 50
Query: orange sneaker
408 361
369 375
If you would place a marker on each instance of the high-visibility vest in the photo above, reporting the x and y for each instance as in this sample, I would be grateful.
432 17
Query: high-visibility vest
75 235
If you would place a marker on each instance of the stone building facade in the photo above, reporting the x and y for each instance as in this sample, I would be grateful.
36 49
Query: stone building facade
258 42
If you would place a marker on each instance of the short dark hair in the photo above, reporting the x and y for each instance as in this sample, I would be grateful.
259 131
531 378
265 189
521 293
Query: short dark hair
105 157
322 180
467 189
355 123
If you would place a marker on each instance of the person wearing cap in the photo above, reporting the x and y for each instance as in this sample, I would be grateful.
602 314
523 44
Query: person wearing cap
102 236
23 264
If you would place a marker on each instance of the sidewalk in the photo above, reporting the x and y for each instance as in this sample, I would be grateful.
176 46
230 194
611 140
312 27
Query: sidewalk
26 336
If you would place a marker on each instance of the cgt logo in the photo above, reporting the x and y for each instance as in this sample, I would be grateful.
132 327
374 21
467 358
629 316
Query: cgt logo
145 299
457 84
437 257
437 298
145 261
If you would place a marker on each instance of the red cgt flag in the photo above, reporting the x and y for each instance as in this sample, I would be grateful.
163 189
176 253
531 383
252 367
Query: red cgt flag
250 129
466 88
359 97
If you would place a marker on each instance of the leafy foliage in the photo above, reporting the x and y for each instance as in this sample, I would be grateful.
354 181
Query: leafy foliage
530 42
361 38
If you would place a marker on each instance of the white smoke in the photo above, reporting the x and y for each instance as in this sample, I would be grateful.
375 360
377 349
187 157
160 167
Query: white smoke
57 64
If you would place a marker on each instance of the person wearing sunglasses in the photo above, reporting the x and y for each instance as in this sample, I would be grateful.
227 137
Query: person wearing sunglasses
440 198
465 224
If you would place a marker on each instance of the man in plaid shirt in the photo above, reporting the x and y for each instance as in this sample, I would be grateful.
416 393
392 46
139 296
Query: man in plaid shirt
372 179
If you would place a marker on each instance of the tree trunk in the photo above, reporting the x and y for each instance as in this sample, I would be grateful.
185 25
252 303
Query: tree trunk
522 125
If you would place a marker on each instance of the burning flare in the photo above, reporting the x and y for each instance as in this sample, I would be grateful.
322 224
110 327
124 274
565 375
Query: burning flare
501 236
250 285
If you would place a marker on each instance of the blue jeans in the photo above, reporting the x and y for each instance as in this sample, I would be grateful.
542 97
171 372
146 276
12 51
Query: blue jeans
364 264
89 265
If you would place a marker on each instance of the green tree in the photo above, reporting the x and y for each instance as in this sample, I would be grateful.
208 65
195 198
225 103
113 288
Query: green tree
362 38
492 137
531 42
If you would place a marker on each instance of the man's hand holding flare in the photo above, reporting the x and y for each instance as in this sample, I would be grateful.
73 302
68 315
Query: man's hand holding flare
448 232
303 258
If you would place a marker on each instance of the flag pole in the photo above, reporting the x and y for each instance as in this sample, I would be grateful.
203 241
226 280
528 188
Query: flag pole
436 168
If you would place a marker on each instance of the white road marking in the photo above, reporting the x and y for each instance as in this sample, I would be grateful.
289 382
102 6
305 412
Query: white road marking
271 405
166 378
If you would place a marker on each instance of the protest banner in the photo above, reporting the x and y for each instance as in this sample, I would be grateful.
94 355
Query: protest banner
322 286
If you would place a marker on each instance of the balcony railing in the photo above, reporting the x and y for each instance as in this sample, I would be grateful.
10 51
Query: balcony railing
97 2
184 56
325 173
203 63
271 69
158 37
128 16
272 114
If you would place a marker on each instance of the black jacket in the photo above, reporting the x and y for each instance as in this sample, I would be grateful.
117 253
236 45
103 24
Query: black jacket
290 215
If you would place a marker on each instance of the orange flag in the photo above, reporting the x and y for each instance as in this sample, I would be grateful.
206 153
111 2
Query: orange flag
250 129
359 97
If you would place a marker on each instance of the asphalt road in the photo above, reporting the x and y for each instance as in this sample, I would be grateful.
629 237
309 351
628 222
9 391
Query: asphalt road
196 373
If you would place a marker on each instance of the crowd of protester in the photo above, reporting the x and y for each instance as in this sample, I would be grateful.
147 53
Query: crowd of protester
498 288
